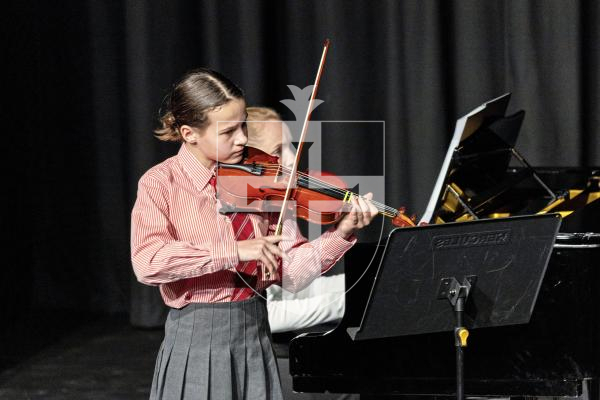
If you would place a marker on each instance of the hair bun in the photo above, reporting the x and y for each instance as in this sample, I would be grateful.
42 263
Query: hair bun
168 132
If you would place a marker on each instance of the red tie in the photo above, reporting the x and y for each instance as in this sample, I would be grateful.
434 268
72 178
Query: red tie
243 230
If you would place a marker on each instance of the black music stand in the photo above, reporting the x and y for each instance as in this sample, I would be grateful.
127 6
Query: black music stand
458 276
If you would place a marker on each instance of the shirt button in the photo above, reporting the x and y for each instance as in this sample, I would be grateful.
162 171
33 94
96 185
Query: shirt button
187 296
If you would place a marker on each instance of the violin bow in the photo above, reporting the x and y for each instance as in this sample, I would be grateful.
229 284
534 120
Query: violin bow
294 170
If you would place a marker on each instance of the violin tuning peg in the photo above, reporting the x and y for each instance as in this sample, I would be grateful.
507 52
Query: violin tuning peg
402 210
413 218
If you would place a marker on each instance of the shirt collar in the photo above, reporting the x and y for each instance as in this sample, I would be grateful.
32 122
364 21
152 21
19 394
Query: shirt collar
199 174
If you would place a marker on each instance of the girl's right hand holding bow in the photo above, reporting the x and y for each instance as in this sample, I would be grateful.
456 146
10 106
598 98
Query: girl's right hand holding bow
265 250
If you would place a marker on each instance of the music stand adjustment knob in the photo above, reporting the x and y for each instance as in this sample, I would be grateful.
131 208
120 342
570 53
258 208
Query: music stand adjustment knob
462 335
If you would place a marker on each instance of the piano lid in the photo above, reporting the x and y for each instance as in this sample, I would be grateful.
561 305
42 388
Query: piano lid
477 182
470 142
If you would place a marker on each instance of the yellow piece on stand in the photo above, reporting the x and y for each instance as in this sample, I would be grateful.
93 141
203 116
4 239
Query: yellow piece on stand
463 334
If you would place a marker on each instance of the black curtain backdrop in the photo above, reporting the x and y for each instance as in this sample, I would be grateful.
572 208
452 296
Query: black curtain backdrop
86 80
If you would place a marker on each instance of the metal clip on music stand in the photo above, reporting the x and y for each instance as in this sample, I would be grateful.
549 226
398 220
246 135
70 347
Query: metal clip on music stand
490 271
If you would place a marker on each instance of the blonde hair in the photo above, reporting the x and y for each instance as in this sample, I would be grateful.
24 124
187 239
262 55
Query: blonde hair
258 115
262 114
198 92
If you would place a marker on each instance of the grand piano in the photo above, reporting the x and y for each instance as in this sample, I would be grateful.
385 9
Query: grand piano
556 354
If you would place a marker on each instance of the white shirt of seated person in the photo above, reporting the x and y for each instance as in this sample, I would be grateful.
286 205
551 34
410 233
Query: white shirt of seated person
323 300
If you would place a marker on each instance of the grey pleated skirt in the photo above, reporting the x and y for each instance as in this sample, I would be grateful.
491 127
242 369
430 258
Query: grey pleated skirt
217 351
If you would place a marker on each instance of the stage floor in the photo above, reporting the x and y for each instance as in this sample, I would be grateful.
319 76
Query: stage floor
60 356
101 359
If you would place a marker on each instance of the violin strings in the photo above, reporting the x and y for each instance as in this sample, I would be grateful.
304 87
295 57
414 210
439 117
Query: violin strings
317 183
322 184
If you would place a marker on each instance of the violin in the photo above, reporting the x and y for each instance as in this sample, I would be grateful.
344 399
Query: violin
258 184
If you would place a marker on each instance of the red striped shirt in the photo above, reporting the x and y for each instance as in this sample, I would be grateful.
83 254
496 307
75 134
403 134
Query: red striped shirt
180 242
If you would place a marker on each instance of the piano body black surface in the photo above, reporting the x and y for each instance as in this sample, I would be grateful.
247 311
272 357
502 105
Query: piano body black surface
556 354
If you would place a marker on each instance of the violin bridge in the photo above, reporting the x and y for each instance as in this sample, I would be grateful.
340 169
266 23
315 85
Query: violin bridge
278 175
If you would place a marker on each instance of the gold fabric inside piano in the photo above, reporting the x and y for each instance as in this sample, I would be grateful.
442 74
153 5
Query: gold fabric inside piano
516 198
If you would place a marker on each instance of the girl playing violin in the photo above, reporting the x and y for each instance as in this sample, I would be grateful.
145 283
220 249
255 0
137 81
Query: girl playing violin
211 267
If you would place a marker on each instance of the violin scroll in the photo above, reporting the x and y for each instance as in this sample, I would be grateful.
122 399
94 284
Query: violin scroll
402 220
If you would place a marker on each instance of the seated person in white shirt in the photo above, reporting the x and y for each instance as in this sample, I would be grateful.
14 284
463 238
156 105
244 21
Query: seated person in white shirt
323 300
